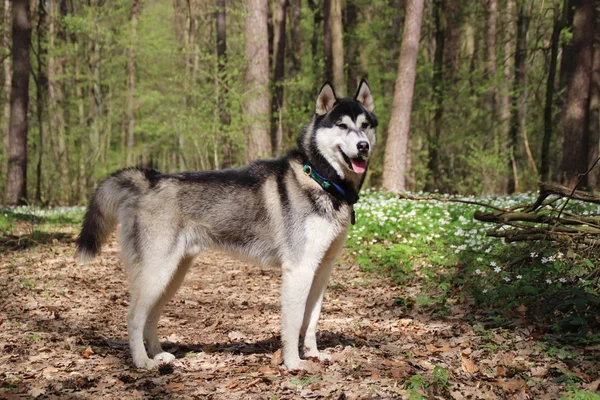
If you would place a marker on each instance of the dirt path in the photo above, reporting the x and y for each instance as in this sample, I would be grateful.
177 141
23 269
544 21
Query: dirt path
63 335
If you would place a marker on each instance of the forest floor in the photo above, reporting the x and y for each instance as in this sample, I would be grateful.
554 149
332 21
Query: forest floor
63 335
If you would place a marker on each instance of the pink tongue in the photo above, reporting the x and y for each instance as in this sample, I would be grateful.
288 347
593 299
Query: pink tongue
359 166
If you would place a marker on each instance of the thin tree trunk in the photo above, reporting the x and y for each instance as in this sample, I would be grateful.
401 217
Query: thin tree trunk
296 37
327 45
56 111
256 100
83 131
220 87
352 44
337 47
7 80
594 125
575 145
278 76
438 96
16 188
395 166
41 83
549 101
518 97
131 69
491 58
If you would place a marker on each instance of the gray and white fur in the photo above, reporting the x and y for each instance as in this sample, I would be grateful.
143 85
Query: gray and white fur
269 211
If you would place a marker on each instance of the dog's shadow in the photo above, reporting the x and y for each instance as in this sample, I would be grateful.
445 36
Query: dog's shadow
267 346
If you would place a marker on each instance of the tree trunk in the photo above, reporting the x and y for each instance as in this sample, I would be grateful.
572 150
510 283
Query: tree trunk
41 83
353 44
16 188
7 81
295 18
395 166
278 76
220 88
549 100
594 125
337 48
438 96
491 58
518 98
55 109
327 44
256 100
575 147
131 83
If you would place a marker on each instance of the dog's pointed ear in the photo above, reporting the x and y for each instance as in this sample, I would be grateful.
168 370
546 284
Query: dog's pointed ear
326 99
363 96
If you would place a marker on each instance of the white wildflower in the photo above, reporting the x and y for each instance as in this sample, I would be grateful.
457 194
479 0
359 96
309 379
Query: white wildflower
497 269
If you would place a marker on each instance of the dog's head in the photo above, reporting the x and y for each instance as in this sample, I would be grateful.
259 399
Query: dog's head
344 129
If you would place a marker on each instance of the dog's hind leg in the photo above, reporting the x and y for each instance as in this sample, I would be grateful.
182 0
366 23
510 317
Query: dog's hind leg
148 284
150 330
315 299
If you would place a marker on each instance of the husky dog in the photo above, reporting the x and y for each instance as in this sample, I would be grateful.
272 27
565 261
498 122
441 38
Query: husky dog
292 212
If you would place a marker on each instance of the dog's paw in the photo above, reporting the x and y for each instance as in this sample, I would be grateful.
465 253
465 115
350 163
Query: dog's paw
303 365
322 356
163 358
147 363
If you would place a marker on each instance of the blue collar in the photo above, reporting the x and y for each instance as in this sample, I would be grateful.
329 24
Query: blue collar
344 194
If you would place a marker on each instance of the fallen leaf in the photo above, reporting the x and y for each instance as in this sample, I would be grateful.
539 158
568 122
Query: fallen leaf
87 352
175 386
37 391
511 385
277 358
500 371
267 370
468 365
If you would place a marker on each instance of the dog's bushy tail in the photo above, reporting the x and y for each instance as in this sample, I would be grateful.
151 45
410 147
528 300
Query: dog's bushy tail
101 216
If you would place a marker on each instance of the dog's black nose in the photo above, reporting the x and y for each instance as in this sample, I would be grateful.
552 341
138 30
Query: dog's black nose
363 147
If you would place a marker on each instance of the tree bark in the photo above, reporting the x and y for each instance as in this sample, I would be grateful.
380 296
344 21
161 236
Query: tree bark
438 95
7 80
491 58
256 100
518 98
594 120
337 48
505 98
295 10
575 151
131 70
327 44
395 166
353 44
16 188
55 97
278 76
549 100
41 85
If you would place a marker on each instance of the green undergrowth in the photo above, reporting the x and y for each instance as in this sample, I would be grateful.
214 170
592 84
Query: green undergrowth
438 248
24 227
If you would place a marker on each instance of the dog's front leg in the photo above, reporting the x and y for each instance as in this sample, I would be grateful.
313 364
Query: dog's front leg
315 299
295 287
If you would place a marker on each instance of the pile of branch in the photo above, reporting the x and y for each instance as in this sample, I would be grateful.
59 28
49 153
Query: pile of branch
544 220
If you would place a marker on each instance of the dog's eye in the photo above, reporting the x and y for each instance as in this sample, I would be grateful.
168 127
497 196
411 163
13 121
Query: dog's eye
365 125
343 126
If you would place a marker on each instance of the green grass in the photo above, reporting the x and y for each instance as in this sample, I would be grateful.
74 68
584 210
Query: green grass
439 247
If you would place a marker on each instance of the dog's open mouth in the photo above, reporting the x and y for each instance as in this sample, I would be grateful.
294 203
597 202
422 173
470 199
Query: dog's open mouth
358 165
